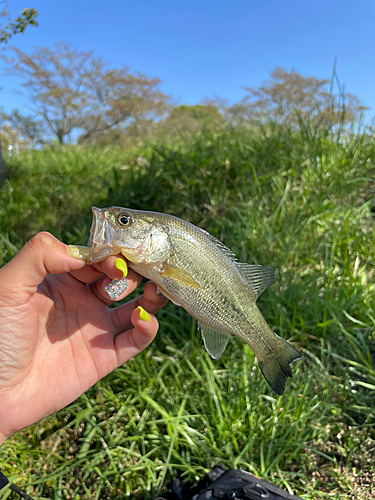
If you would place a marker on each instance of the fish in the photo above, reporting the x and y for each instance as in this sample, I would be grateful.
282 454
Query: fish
198 272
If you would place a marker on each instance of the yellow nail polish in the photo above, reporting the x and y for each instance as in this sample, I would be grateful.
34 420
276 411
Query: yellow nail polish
121 266
143 315
79 252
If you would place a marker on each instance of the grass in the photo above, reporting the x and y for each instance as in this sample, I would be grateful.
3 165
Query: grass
299 201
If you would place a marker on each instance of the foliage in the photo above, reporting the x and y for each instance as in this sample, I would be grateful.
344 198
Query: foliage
290 98
79 99
8 137
74 92
122 98
182 120
24 130
3 170
28 17
186 119
300 201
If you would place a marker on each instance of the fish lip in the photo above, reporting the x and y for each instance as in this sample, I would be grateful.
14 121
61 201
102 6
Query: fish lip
101 238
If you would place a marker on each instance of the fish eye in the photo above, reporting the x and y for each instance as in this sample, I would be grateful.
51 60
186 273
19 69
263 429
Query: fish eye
123 220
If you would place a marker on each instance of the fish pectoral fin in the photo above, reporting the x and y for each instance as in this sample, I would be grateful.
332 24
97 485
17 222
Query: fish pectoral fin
176 274
214 341
258 277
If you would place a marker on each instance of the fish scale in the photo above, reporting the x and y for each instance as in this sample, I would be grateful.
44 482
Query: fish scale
221 282
197 272
204 303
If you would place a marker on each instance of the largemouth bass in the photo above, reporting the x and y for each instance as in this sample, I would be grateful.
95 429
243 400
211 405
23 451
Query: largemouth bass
196 271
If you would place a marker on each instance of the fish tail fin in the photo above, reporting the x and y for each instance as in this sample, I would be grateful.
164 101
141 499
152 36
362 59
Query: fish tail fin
276 367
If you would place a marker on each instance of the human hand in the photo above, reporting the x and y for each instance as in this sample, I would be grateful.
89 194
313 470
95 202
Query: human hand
58 336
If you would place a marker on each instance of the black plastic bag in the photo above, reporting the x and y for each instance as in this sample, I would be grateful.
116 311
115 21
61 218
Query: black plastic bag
220 484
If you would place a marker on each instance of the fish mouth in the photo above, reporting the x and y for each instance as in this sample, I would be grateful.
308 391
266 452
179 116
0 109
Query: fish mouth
102 236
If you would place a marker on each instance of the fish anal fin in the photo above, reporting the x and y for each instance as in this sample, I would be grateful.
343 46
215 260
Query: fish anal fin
258 277
214 341
276 367
176 274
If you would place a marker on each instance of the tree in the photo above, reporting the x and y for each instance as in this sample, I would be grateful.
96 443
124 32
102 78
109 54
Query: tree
119 98
75 93
4 174
10 139
29 129
54 81
190 119
288 97
28 17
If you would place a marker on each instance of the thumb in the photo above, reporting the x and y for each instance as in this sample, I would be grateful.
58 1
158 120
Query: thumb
42 255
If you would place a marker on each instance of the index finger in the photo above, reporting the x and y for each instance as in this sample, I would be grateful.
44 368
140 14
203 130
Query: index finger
90 273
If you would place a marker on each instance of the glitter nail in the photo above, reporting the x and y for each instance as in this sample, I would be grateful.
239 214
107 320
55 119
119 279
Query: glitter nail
115 288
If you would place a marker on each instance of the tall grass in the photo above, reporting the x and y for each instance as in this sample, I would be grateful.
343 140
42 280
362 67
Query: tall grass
299 201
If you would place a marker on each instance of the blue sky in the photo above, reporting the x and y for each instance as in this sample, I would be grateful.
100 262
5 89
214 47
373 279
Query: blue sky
205 48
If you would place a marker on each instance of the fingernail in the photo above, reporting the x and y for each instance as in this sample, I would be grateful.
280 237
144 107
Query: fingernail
121 266
115 288
79 252
143 315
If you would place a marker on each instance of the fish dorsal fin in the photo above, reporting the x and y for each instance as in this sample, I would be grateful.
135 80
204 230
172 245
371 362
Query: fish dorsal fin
221 245
258 277
176 274
214 341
